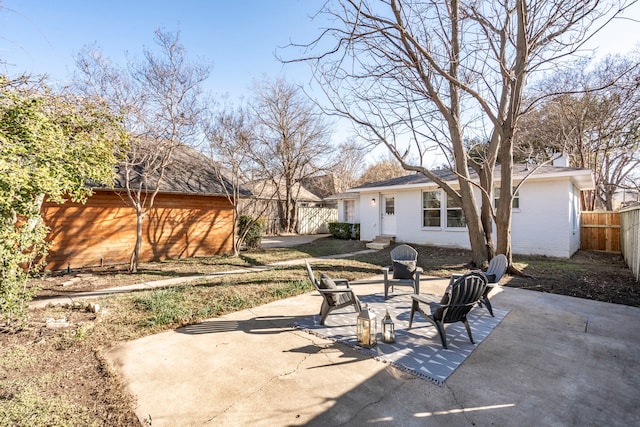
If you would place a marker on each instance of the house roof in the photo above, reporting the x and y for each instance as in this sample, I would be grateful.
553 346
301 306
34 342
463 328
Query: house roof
266 189
343 196
189 172
582 178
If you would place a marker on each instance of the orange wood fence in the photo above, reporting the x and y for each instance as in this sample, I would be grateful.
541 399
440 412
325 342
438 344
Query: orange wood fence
600 231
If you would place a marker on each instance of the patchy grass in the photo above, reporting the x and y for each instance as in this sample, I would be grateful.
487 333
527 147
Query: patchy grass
59 376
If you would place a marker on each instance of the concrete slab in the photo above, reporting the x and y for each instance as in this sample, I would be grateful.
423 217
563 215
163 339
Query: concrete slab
554 360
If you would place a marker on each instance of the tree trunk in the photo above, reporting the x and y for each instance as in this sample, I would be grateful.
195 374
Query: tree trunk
504 209
135 255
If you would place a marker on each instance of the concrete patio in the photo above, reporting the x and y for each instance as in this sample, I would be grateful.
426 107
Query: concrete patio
553 361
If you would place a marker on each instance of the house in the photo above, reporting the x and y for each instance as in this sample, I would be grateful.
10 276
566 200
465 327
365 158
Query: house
191 216
413 209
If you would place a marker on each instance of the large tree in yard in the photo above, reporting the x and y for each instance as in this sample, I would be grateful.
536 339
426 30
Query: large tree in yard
51 146
414 75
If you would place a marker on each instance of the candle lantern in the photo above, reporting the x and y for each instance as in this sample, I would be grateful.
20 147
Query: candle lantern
366 328
388 329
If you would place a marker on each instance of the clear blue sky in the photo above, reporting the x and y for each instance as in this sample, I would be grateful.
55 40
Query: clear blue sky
238 37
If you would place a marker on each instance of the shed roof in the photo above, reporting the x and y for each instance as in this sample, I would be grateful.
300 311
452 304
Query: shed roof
188 172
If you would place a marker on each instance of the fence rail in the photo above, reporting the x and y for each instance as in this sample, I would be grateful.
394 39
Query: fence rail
630 238
600 231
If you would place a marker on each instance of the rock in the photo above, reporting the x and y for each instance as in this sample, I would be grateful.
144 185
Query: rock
57 323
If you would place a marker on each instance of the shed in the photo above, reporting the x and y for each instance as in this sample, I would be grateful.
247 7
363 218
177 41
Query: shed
191 216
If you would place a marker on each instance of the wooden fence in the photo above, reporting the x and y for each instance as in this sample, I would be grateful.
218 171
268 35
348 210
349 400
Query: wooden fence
600 231
630 238
313 220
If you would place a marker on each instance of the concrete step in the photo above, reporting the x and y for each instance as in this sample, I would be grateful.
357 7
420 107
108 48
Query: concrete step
381 242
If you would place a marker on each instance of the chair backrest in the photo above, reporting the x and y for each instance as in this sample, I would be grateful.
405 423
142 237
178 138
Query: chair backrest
466 291
312 276
497 267
404 253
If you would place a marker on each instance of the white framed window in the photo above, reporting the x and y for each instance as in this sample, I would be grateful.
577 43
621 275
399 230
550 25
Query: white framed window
515 203
455 216
431 205
349 211
389 205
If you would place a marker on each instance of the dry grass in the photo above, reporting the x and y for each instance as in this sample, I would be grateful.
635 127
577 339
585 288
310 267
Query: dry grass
59 377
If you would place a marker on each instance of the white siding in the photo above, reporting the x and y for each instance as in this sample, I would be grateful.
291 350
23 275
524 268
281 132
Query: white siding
543 224
546 223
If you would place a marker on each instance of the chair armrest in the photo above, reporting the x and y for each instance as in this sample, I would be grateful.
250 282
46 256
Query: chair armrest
385 272
433 306
342 282
335 291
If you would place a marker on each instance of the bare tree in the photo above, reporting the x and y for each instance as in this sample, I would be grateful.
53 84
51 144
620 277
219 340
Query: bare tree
291 141
159 98
383 169
349 164
595 120
230 138
419 75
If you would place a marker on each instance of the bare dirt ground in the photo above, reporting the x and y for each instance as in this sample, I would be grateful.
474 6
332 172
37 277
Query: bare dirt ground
79 377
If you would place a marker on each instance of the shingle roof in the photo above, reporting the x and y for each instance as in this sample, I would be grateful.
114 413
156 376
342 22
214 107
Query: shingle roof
189 172
265 189
519 172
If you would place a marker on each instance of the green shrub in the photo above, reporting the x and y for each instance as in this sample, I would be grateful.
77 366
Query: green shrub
251 230
344 230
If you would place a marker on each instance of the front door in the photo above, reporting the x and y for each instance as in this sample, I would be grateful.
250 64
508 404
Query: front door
388 213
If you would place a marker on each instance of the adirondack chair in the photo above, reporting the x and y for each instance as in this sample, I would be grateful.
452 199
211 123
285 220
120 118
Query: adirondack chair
336 293
404 270
464 294
497 267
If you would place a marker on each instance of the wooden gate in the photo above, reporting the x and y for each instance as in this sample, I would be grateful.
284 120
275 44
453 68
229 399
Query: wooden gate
600 231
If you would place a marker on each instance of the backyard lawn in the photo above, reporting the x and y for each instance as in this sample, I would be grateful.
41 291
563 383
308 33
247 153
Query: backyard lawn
58 376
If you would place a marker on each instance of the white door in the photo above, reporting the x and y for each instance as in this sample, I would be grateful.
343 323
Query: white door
388 213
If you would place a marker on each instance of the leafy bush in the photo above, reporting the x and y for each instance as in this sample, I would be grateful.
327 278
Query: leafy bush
344 230
251 230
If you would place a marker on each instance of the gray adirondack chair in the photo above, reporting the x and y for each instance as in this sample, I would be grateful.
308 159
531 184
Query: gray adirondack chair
404 270
497 267
336 293
465 292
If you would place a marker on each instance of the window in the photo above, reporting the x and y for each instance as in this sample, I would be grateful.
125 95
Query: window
515 203
389 205
455 216
349 211
431 209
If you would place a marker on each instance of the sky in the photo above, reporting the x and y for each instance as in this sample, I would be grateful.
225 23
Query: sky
237 37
